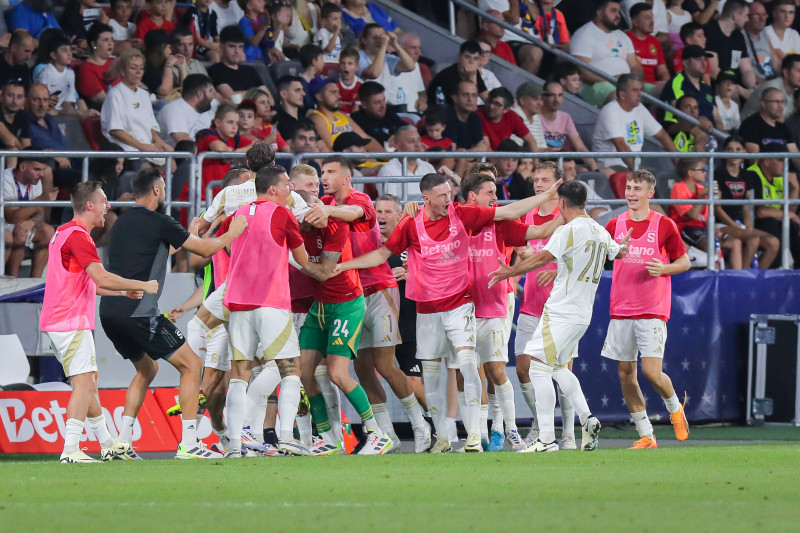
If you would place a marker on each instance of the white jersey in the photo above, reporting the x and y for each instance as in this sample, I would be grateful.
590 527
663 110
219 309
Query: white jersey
581 249
229 199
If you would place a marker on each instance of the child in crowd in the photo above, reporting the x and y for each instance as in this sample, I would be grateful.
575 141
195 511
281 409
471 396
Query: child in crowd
124 31
247 120
328 35
348 82
435 124
569 77
726 101
223 136
311 77
263 128
56 74
254 27
203 23
157 19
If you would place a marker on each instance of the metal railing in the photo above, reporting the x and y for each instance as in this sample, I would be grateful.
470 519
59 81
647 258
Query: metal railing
566 57
194 204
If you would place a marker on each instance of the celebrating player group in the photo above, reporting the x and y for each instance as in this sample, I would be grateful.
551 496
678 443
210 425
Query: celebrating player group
296 287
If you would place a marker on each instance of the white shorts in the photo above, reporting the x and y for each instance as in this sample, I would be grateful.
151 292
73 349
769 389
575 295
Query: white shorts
380 319
268 325
492 344
626 338
438 334
555 343
214 303
218 354
74 350
298 319
526 325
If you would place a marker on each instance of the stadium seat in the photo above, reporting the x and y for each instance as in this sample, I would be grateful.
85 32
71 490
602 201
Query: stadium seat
92 132
664 182
285 68
617 182
14 367
73 132
331 70
599 182
263 73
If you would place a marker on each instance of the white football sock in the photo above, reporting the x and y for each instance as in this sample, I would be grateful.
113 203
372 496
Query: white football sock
571 388
542 379
189 433
126 434
434 396
505 397
495 413
72 437
100 430
483 418
413 410
673 404
196 333
567 416
288 401
530 398
384 420
304 428
452 430
643 425
333 401
258 394
236 405
468 364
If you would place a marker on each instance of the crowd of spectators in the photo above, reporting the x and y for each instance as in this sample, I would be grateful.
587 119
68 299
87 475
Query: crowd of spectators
309 76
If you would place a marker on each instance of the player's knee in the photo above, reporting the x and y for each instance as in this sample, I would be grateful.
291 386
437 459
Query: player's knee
652 373
626 372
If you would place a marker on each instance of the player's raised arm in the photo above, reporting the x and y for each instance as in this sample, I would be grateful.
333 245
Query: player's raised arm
519 208
208 247
534 263
109 284
543 231
372 259
347 213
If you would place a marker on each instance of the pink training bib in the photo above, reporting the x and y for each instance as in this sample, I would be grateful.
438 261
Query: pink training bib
483 254
534 296
634 292
252 281
69 297
440 269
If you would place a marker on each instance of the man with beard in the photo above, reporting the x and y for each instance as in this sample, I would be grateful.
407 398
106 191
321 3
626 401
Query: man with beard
601 44
182 118
328 119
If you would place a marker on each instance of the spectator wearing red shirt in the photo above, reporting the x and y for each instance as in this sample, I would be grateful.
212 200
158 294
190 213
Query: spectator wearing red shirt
93 79
499 122
648 48
692 220
154 19
223 136
492 33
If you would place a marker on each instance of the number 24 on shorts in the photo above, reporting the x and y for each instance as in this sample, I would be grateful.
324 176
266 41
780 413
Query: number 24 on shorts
340 327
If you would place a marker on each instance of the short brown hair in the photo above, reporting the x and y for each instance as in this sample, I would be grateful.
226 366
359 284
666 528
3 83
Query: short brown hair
552 166
482 167
473 181
685 165
390 198
81 193
642 174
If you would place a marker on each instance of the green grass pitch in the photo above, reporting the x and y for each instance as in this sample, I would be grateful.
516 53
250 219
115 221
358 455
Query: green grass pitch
731 487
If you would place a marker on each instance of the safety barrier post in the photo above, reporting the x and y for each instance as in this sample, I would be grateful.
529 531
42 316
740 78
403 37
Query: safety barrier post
711 247
786 252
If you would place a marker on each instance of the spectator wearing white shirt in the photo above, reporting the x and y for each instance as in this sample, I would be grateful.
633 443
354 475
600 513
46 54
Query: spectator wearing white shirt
182 118
127 116
328 36
601 44
123 30
58 77
375 64
528 107
623 124
228 13
783 38
411 82
489 79
406 139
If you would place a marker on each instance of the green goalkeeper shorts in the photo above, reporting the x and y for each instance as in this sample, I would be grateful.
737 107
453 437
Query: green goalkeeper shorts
334 328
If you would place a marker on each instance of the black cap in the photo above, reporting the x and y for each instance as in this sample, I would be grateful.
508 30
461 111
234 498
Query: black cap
774 148
727 75
694 51
347 140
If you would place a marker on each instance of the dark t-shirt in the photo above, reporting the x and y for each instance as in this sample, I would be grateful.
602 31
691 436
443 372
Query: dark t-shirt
407 322
515 187
464 134
286 123
755 130
730 49
378 129
241 79
21 72
20 127
735 188
152 78
139 249
448 80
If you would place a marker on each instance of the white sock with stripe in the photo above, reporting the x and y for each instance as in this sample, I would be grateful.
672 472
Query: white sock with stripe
542 379
236 405
468 365
529 394
484 421
571 388
333 401
505 397
567 416
288 401
434 396
495 413
258 394
384 420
